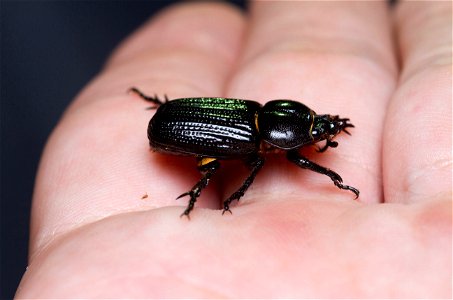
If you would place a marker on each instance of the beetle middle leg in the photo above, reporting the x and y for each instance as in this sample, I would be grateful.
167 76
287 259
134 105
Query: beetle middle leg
305 163
208 167
256 164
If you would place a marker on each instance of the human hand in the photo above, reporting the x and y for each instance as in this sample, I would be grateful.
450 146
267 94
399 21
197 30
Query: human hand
293 234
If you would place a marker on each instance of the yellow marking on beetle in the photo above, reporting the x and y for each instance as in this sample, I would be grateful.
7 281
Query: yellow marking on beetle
206 160
256 122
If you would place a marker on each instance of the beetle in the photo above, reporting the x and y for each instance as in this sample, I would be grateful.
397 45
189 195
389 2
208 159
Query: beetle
214 129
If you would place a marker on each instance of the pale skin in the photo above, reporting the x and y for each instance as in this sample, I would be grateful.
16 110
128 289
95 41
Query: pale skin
293 234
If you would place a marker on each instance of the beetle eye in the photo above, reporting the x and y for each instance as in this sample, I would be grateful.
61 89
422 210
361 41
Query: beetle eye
333 128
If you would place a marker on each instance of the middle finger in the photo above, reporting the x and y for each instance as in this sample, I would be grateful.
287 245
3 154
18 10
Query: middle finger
337 58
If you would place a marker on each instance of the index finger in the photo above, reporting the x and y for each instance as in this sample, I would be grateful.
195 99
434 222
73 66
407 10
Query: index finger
97 161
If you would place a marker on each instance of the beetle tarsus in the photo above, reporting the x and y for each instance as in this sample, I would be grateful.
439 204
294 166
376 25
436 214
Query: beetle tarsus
339 184
226 209
349 188
186 212
208 170
305 163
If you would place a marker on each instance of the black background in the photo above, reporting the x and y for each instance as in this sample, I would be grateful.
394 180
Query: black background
49 51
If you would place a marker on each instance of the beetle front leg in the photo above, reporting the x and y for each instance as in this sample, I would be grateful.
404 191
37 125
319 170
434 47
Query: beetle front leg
256 164
328 144
208 169
305 163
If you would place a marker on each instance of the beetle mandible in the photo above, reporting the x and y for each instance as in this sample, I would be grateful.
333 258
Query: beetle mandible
213 129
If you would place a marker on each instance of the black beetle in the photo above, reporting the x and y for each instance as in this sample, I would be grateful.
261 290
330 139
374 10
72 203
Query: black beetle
213 129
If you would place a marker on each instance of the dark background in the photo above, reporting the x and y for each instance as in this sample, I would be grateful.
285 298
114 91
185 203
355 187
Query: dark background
49 51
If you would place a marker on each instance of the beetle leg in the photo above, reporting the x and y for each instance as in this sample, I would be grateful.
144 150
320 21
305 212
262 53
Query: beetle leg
328 144
256 165
207 169
154 99
305 163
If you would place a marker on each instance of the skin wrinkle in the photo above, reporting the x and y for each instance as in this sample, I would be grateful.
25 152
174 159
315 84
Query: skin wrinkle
419 175
439 59
429 19
311 47
315 16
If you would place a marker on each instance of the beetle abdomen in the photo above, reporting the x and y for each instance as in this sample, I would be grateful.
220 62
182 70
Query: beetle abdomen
215 127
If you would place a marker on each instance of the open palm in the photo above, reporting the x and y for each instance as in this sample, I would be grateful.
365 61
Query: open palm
293 234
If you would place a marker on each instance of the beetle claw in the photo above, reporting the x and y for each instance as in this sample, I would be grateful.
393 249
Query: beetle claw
354 190
226 209
185 213
183 195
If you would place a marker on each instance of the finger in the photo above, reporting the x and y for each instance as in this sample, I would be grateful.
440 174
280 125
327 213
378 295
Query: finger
175 50
417 136
337 58
97 161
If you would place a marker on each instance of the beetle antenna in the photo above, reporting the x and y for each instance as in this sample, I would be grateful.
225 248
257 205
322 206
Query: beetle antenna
346 125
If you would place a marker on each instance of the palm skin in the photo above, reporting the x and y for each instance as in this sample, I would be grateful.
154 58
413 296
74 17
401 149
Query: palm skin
293 234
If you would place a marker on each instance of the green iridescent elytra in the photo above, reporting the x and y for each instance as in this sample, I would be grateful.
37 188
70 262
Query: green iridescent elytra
215 127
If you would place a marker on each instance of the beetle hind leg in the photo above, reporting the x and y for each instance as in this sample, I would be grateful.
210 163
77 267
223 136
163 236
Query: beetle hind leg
256 165
155 100
207 167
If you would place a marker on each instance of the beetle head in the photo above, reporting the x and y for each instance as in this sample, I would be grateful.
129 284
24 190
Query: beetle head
326 127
